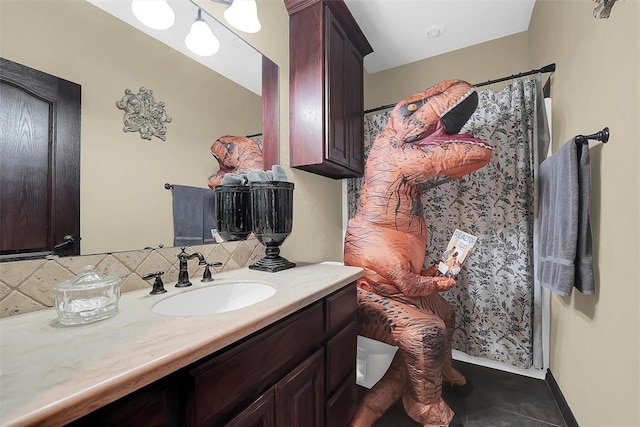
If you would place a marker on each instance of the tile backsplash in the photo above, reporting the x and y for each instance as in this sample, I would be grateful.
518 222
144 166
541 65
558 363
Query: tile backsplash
27 286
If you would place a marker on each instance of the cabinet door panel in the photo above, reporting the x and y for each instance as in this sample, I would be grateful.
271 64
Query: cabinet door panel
337 89
261 413
354 107
341 355
342 405
300 400
340 308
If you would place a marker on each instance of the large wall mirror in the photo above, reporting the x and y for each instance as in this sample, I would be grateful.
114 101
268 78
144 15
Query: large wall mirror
124 203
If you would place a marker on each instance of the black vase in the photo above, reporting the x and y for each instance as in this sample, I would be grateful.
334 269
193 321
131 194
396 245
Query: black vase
272 220
233 212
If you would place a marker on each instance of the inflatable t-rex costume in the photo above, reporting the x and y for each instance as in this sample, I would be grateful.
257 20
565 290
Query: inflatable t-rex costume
235 154
398 301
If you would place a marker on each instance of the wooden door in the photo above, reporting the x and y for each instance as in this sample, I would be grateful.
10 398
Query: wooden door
39 162
337 91
300 396
260 413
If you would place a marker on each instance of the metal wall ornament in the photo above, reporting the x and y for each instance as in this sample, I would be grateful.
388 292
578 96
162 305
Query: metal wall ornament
603 9
143 114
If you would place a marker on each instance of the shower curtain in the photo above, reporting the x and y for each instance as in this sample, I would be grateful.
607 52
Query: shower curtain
494 296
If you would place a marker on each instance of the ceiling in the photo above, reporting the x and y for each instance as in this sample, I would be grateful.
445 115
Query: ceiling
398 30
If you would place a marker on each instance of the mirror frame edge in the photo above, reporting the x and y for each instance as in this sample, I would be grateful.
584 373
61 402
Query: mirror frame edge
270 113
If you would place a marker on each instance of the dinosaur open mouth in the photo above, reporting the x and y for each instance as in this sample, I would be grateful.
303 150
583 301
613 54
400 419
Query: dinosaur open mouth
223 167
455 117
441 137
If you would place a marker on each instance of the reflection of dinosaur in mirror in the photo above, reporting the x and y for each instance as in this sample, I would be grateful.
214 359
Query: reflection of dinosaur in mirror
234 154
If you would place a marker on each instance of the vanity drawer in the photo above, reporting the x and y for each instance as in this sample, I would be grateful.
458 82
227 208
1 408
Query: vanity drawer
340 307
341 356
155 405
218 388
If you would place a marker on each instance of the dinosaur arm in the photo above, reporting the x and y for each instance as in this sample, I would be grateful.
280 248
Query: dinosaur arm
417 285
431 271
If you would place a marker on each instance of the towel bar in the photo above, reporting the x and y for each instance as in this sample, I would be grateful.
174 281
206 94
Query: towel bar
602 136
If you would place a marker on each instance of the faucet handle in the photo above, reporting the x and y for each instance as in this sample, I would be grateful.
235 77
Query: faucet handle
206 276
158 286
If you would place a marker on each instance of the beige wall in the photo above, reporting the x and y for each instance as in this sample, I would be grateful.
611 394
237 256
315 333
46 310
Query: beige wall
123 201
506 56
595 353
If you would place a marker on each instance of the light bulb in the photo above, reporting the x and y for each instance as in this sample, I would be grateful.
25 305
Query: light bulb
201 39
156 14
243 15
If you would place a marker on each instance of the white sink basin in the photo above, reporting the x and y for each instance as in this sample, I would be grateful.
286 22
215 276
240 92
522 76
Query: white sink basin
214 299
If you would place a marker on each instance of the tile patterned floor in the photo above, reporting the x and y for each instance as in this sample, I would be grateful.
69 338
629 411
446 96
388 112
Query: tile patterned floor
498 399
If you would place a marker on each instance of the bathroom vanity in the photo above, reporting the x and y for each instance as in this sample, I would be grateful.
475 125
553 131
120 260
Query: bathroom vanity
285 361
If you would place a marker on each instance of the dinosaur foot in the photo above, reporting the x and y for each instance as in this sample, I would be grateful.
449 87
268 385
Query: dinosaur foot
436 414
460 390
456 421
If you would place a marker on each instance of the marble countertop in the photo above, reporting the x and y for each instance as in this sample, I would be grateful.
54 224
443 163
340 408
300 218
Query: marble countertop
51 374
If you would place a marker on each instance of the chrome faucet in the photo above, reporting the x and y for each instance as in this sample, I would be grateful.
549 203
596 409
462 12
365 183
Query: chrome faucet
183 274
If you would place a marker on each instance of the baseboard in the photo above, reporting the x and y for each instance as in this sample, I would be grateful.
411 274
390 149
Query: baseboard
487 363
569 419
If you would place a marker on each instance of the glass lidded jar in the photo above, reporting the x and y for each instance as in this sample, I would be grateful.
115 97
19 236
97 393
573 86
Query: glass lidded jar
87 298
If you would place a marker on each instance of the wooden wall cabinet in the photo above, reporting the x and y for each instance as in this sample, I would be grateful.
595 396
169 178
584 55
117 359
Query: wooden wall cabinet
326 51
299 371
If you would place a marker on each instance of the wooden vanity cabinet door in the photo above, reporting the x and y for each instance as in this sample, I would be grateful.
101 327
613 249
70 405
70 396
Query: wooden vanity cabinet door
260 413
300 399
342 327
342 405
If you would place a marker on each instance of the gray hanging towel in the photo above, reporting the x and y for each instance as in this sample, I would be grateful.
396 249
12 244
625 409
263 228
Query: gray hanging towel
208 214
564 241
187 215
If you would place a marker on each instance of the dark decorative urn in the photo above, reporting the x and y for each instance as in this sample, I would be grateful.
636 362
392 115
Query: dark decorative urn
272 220
233 212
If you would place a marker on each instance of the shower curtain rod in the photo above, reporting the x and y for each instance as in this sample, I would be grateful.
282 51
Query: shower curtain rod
546 69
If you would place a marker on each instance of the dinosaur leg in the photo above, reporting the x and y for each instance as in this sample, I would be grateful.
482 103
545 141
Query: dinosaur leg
423 344
420 336
384 394
441 307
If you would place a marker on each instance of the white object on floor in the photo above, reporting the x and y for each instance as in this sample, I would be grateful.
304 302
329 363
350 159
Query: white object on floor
372 361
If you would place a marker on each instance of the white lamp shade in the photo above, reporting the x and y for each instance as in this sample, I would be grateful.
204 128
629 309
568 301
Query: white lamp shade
201 39
156 14
243 15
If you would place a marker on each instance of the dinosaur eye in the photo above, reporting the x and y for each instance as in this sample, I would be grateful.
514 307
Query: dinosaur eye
414 138
408 109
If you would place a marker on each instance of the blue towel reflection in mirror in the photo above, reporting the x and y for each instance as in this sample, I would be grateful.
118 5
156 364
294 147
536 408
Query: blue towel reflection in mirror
194 215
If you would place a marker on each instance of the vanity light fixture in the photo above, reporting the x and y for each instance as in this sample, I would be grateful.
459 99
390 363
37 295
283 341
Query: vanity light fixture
155 14
201 39
243 15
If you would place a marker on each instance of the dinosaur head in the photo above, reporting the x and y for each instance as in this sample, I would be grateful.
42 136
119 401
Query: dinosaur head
234 154
423 139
